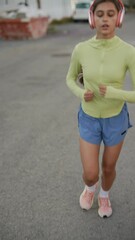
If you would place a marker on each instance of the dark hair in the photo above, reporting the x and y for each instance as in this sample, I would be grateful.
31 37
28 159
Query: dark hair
115 2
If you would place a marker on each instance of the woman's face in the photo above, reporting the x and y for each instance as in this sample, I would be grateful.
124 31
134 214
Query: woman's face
105 17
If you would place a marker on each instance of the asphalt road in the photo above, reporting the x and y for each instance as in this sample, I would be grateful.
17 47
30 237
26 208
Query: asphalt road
40 169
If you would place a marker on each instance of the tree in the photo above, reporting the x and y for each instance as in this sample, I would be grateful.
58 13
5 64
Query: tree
131 3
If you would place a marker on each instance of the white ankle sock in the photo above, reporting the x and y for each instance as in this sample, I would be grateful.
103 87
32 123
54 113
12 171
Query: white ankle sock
103 194
91 188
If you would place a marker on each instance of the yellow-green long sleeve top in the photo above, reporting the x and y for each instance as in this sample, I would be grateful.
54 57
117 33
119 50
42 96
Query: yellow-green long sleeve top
103 61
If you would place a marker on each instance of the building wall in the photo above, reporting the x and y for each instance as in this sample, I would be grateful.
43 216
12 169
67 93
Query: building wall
56 9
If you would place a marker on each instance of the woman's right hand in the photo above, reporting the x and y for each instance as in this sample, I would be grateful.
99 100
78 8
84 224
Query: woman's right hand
88 95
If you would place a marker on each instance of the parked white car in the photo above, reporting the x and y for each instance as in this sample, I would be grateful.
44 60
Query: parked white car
81 11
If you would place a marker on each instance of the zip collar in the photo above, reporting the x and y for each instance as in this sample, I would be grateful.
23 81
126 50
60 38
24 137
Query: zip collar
108 44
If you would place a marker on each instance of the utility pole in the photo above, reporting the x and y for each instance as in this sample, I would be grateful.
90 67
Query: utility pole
39 4
6 1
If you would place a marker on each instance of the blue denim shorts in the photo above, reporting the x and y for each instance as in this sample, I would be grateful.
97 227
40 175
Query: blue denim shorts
110 130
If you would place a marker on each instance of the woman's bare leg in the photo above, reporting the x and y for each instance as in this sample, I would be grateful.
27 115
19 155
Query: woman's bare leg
109 160
90 162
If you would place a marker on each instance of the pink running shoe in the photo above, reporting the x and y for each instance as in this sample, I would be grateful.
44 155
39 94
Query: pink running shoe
105 209
86 199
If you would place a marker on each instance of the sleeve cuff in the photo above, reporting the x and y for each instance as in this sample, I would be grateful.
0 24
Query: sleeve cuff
113 93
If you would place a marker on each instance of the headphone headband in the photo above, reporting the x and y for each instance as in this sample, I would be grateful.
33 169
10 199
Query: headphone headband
119 18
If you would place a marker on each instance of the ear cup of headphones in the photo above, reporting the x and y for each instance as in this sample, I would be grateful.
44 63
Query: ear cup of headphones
120 18
91 20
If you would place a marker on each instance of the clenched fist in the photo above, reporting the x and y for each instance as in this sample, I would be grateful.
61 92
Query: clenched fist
102 90
88 95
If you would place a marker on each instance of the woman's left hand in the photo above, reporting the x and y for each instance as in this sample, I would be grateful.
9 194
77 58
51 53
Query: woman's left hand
102 90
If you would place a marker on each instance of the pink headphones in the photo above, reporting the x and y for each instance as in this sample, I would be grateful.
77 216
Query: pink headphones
119 19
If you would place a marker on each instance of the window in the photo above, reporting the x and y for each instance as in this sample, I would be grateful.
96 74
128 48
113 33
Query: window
82 5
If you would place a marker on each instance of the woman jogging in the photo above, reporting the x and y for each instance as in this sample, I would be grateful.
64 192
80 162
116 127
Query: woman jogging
103 115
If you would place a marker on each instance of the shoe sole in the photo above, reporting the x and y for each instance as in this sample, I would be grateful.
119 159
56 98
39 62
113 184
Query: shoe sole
104 215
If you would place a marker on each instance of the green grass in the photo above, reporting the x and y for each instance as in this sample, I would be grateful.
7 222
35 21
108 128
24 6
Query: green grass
61 21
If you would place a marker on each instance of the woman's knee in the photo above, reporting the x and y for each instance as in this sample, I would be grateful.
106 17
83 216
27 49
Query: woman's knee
90 178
